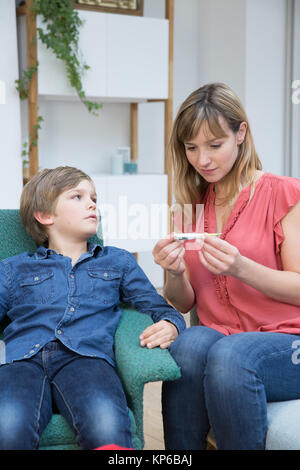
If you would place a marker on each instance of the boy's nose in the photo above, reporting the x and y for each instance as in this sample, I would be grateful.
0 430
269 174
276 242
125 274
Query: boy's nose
92 204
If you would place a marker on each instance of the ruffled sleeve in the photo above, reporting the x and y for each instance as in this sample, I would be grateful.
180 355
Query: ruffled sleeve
287 194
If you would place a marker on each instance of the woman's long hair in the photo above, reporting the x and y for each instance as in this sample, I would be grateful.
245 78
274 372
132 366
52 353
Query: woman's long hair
205 106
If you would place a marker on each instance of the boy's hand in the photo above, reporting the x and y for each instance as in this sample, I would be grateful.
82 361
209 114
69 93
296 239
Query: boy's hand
162 334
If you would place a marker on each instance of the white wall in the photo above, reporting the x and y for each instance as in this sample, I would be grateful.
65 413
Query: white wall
10 132
295 105
265 70
243 44
222 26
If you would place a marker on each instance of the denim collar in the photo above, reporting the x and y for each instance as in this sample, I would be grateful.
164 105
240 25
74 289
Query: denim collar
43 252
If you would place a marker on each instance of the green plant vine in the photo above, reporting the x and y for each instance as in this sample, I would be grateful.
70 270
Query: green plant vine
22 84
33 138
60 34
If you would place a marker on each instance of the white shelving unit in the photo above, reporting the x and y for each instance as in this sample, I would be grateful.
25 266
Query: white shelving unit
127 55
130 59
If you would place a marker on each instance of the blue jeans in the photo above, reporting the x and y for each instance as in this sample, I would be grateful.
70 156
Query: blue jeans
86 391
226 383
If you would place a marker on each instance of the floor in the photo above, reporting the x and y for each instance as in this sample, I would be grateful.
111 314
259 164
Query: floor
153 428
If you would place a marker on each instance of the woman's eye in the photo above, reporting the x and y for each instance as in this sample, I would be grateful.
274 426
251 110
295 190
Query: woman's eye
190 149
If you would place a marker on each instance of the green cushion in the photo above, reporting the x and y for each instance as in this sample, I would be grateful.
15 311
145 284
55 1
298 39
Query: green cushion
58 432
59 436
137 366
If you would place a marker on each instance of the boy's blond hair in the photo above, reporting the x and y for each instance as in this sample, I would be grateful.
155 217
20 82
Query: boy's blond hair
40 195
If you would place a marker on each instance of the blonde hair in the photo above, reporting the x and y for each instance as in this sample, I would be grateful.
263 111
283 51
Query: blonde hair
206 105
40 195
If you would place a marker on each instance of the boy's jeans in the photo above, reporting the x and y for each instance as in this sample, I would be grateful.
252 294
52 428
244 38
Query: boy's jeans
226 383
86 391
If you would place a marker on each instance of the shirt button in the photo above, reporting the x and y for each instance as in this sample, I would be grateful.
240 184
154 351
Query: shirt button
36 278
72 276
59 332
37 345
72 309
25 355
32 351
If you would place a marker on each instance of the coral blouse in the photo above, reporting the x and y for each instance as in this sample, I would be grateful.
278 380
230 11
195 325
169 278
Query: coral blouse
225 303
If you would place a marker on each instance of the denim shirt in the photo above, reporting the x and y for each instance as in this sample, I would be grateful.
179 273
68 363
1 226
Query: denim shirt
46 298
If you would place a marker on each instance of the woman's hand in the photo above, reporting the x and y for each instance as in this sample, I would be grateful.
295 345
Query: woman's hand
162 334
168 253
219 257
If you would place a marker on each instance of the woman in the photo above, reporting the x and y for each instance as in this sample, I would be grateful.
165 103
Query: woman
245 283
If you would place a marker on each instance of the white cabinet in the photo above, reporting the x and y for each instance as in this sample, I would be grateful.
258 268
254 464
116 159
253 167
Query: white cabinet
127 55
134 210
137 57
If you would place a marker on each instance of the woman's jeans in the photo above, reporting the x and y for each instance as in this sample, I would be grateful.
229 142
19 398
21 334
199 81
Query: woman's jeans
86 391
226 383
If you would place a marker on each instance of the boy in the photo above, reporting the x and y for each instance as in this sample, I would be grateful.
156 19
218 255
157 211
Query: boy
63 305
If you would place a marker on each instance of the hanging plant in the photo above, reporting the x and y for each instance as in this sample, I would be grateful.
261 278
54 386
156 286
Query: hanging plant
61 34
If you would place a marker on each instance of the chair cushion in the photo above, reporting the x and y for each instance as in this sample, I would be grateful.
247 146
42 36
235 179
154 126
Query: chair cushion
59 436
15 240
283 425
58 432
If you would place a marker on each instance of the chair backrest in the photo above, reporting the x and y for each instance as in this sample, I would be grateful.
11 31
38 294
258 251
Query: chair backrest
15 240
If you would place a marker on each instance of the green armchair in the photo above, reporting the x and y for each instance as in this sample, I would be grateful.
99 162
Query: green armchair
136 366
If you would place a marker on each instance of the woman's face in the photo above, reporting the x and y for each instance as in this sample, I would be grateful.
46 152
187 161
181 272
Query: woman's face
212 157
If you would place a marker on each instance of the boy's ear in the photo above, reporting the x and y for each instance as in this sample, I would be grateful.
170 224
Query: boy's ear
43 219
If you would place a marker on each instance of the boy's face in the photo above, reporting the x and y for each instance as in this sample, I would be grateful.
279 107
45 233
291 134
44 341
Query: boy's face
76 216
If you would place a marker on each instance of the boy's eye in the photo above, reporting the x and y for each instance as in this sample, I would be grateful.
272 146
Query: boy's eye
215 146
76 196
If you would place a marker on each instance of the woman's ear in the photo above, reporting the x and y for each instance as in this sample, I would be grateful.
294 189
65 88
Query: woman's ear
241 133
43 219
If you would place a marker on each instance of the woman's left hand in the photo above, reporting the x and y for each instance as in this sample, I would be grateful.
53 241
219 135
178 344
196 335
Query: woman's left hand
219 257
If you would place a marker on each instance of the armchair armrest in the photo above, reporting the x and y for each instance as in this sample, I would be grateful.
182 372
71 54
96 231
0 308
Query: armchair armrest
136 365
